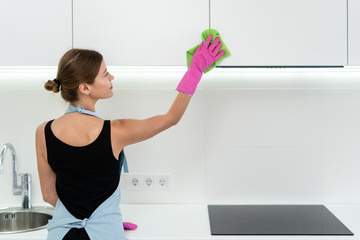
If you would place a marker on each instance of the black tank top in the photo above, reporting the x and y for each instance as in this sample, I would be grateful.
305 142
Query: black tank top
85 176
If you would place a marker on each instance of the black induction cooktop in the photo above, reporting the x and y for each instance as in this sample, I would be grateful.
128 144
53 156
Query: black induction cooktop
274 220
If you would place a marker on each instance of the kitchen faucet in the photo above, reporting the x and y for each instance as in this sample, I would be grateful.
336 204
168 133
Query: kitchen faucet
25 188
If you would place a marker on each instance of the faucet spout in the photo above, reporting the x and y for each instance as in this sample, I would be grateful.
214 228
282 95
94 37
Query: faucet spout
25 188
16 187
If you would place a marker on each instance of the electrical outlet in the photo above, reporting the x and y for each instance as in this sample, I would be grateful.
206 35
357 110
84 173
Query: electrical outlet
148 182
162 182
134 182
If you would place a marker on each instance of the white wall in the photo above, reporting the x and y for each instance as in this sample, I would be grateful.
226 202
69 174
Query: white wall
249 136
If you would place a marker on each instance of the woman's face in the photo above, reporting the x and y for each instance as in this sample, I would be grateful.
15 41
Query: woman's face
102 86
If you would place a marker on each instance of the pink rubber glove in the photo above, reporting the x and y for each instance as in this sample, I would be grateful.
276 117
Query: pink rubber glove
205 56
129 226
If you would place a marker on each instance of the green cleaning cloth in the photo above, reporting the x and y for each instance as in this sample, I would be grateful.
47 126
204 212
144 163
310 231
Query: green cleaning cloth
204 35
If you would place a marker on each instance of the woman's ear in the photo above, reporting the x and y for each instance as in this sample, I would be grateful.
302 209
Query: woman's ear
84 89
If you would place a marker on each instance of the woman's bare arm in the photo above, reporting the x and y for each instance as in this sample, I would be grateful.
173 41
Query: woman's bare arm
131 131
46 174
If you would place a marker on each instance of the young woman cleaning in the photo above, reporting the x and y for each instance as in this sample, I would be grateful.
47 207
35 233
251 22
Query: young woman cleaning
80 155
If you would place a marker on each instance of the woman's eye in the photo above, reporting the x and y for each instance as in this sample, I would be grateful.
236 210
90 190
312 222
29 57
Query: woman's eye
106 74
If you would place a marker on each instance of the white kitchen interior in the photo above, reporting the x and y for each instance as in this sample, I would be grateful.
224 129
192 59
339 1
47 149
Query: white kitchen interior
277 123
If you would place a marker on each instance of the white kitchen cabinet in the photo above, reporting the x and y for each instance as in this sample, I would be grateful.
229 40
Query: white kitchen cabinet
141 32
282 32
33 33
354 32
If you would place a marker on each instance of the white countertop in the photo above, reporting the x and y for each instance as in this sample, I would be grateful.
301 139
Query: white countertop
190 221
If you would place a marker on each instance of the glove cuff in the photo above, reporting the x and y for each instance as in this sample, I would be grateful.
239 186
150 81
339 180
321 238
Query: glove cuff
190 81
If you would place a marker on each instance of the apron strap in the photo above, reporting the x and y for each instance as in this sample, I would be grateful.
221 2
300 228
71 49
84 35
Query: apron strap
81 109
123 162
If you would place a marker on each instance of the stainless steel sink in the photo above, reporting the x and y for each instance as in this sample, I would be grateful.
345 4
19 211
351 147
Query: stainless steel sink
16 220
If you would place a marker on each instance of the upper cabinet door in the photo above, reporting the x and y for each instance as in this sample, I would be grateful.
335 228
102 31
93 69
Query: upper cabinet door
282 32
354 32
141 32
33 33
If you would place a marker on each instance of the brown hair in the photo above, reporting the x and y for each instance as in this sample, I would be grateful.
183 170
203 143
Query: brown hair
77 66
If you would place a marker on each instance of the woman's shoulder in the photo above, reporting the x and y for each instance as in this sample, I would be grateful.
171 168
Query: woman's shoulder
41 127
119 128
40 136
117 125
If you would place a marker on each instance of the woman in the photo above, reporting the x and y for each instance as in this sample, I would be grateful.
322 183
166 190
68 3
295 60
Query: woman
80 156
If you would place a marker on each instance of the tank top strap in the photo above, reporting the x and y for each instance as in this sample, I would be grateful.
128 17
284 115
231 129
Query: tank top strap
48 133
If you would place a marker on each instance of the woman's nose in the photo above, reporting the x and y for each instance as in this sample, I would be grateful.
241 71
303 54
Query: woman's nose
111 77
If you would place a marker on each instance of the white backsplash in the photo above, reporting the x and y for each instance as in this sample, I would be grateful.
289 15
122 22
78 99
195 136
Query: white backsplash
269 137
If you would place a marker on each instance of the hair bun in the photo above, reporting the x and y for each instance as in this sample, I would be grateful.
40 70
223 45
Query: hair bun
50 85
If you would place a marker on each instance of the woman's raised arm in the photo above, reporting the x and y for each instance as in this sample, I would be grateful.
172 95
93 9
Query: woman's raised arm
131 131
